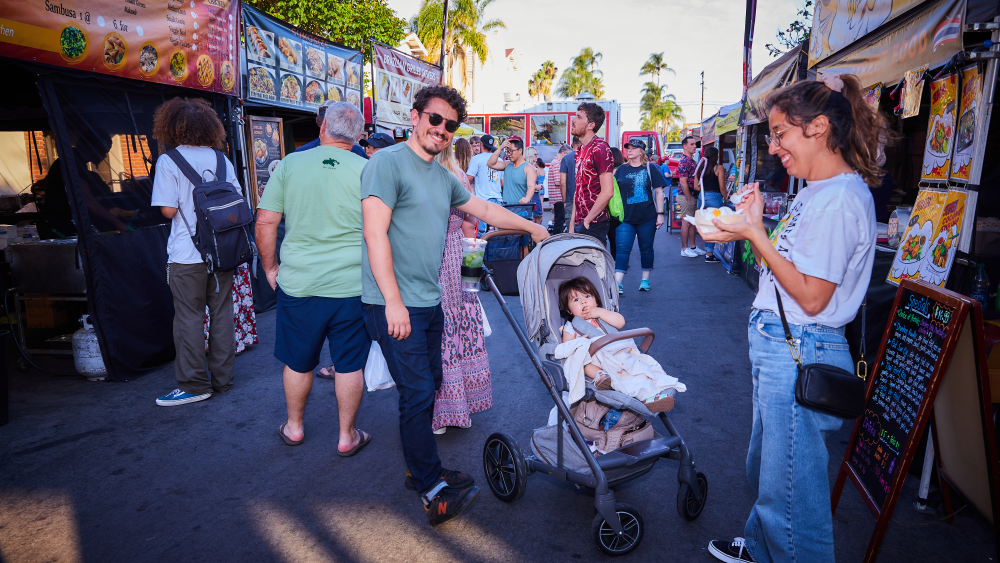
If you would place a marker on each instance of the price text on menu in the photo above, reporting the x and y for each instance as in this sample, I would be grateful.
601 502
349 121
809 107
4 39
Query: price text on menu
190 43
913 345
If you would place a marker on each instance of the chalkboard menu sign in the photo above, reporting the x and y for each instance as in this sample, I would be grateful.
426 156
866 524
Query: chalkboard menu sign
913 347
267 147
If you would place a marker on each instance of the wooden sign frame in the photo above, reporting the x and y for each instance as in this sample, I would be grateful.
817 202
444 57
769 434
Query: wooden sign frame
960 392
251 160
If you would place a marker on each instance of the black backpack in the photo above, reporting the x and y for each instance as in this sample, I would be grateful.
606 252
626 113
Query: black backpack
223 217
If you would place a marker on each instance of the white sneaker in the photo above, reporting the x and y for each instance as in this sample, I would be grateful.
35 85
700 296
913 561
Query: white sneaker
441 430
698 251
688 253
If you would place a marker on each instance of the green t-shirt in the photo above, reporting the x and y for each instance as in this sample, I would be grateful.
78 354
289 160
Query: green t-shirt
421 195
319 192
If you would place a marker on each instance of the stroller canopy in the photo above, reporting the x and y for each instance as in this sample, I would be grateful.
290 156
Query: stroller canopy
555 260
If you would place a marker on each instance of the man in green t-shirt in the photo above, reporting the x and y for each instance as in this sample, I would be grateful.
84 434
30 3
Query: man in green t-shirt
406 200
319 283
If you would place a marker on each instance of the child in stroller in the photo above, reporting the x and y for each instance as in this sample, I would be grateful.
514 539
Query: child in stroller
580 303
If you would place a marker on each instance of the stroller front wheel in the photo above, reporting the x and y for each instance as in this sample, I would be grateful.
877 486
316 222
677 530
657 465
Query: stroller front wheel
688 504
632 529
505 468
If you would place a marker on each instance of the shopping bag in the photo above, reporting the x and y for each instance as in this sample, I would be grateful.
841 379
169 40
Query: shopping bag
377 371
486 322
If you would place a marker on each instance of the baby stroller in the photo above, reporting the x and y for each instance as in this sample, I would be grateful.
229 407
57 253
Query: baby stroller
617 528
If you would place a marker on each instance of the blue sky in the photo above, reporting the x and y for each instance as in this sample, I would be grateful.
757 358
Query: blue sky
694 36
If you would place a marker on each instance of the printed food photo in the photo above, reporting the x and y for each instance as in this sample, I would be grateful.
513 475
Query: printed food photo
149 59
114 51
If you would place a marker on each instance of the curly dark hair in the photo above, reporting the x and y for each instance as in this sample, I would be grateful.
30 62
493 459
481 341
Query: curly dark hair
856 129
446 93
188 121
581 285
595 114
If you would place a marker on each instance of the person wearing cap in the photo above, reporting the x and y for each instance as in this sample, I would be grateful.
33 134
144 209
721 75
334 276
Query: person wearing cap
641 187
485 180
518 177
356 148
375 142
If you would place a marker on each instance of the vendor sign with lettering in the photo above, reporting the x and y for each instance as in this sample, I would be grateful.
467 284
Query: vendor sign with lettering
838 23
398 77
187 43
940 130
965 141
289 68
916 242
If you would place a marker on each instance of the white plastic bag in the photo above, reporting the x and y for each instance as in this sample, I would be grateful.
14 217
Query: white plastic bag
376 371
486 322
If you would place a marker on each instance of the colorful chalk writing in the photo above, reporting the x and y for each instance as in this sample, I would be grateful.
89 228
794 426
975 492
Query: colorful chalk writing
913 344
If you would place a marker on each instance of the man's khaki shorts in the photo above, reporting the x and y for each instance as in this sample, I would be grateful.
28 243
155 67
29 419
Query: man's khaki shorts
685 206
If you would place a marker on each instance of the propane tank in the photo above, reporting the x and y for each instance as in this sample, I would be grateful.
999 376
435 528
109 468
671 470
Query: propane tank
87 353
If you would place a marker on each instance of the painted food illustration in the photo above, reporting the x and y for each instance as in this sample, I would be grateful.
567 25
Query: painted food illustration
259 151
940 136
966 128
114 50
290 50
256 41
228 74
73 42
148 59
314 93
178 65
913 248
314 60
206 70
335 68
290 89
260 81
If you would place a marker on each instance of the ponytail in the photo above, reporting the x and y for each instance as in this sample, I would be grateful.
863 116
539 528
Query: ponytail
856 129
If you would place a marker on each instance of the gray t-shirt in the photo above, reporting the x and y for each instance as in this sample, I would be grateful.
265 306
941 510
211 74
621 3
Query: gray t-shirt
828 233
487 180
568 166
421 195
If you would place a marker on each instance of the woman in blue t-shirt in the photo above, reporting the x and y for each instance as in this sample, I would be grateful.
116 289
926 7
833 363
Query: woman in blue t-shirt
641 186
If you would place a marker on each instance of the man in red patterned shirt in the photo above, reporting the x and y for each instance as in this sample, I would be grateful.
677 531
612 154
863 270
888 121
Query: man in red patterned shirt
594 184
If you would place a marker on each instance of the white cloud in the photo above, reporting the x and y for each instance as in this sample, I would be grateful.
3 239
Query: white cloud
694 37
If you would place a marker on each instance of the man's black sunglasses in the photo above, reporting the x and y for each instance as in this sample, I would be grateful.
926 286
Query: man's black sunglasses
449 125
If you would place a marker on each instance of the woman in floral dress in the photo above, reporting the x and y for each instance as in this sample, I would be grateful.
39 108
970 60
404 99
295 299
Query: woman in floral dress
243 316
465 384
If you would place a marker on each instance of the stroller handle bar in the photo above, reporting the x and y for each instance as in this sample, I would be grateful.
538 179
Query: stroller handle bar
647 339
504 232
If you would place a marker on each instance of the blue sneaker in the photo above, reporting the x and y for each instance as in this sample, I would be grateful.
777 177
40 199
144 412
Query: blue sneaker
621 288
178 397
644 284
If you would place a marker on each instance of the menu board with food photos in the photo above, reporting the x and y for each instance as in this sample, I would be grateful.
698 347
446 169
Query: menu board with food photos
267 148
190 43
289 68
965 142
398 77
940 129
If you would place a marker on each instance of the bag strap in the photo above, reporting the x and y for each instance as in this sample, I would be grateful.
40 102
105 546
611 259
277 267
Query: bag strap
220 166
860 371
788 332
185 167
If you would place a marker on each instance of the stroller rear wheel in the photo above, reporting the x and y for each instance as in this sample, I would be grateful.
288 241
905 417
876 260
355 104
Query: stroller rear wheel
505 468
611 543
688 504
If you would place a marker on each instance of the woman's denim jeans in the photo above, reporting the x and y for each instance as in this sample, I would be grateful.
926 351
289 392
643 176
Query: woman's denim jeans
625 236
787 460
712 199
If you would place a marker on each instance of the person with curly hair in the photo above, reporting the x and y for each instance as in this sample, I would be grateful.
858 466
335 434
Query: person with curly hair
192 127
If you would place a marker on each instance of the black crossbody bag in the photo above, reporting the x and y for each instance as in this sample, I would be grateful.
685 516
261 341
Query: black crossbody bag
825 388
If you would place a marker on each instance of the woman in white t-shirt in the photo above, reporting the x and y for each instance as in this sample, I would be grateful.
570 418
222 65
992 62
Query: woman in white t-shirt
819 258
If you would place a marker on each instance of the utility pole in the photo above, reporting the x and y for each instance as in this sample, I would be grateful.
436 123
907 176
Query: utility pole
444 42
702 91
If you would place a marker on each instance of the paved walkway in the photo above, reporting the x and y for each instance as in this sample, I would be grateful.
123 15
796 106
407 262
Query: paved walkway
97 472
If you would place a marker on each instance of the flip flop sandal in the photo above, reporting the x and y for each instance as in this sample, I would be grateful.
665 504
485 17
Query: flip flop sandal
661 402
364 438
288 441
319 373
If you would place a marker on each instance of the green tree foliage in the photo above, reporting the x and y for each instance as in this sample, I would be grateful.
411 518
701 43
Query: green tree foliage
660 111
467 27
582 76
348 22
796 32
540 83
655 66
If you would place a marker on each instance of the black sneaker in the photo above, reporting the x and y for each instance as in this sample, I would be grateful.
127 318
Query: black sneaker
449 503
455 479
733 552
711 258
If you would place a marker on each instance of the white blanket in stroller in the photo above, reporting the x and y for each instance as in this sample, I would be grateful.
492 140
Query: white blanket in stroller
632 372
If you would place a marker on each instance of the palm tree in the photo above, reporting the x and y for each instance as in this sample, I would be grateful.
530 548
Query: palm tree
467 27
652 96
540 83
582 76
662 118
654 66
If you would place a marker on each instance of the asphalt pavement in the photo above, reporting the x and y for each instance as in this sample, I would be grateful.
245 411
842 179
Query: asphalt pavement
97 472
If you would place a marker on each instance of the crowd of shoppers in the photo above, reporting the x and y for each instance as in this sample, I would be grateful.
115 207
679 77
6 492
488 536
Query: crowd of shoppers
641 187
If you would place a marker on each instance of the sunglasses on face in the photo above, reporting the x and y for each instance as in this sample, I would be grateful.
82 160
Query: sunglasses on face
435 119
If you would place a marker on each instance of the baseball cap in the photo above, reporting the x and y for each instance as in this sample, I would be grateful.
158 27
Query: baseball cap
488 143
377 141
636 143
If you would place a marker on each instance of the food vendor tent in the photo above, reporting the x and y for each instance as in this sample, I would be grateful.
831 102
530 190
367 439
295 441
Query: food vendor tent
465 131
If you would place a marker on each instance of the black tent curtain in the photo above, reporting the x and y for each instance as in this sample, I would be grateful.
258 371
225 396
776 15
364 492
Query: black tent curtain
127 293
